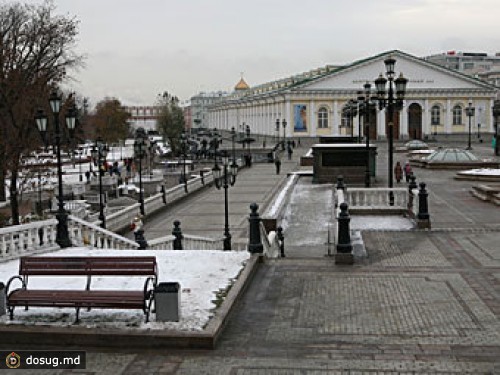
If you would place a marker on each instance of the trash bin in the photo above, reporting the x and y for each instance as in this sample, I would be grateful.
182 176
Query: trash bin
2 299
167 302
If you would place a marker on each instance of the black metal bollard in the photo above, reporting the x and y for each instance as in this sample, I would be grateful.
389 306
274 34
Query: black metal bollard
423 209
344 245
202 177
255 245
177 233
164 194
281 238
340 183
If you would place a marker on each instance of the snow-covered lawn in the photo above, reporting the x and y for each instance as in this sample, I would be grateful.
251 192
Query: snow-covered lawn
382 222
201 274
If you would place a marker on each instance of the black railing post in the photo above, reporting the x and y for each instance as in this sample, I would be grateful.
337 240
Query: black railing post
281 238
344 246
423 217
177 233
411 198
255 245
202 177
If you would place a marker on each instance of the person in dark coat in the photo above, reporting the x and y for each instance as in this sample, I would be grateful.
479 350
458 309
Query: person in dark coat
408 171
398 172
277 163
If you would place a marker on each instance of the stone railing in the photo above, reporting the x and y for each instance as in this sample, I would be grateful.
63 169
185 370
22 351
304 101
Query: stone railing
275 211
270 242
189 242
31 238
413 202
83 233
376 200
121 220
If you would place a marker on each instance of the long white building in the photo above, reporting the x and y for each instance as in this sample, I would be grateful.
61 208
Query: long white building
312 103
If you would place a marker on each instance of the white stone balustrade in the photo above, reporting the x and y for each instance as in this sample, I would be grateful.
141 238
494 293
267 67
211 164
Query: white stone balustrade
18 240
376 199
83 233
189 242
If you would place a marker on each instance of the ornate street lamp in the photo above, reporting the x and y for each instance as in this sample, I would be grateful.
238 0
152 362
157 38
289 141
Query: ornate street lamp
365 99
99 153
224 178
496 116
392 102
233 140
62 236
469 111
283 123
140 151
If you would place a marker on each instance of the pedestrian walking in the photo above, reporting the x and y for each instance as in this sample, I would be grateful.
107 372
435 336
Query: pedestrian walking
408 171
290 151
398 172
277 163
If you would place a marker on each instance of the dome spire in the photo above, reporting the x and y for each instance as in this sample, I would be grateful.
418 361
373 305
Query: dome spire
241 85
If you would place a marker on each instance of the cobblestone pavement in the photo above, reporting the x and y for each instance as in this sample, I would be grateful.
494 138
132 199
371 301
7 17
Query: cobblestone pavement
422 302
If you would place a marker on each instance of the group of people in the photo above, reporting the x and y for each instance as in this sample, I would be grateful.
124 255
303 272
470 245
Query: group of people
400 170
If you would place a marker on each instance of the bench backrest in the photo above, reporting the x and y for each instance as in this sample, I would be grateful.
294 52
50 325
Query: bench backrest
88 266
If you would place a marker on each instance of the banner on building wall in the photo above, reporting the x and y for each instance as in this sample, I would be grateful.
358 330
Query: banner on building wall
300 117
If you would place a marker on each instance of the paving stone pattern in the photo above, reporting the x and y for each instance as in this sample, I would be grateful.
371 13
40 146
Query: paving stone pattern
422 302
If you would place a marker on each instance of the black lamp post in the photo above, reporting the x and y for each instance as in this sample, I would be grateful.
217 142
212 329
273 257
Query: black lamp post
469 111
277 131
223 178
140 151
39 210
364 97
496 116
233 140
99 154
62 236
390 102
283 123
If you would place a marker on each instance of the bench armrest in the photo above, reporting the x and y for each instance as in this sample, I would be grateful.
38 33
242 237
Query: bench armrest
7 287
148 293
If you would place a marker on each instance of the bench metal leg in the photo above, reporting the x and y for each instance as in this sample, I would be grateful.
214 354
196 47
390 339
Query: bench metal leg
77 320
11 312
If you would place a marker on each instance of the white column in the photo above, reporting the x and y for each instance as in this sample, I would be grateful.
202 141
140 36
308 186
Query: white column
426 126
447 118
287 116
403 120
335 118
381 124
312 116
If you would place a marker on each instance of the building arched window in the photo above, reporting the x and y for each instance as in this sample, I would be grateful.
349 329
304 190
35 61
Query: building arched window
322 118
345 120
435 115
457 115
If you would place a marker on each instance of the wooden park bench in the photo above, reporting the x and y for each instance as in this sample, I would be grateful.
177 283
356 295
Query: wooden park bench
87 298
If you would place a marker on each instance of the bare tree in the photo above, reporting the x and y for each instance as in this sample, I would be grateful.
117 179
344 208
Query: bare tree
110 121
170 122
36 52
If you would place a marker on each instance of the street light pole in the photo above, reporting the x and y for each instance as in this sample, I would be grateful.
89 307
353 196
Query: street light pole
390 102
277 131
469 111
224 178
365 99
283 123
139 144
99 153
62 235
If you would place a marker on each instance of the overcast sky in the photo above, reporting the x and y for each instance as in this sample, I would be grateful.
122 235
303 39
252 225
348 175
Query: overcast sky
139 48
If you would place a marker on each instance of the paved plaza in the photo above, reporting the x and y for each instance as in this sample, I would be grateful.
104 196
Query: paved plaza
421 302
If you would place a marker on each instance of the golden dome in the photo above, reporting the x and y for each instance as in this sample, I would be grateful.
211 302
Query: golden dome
241 85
